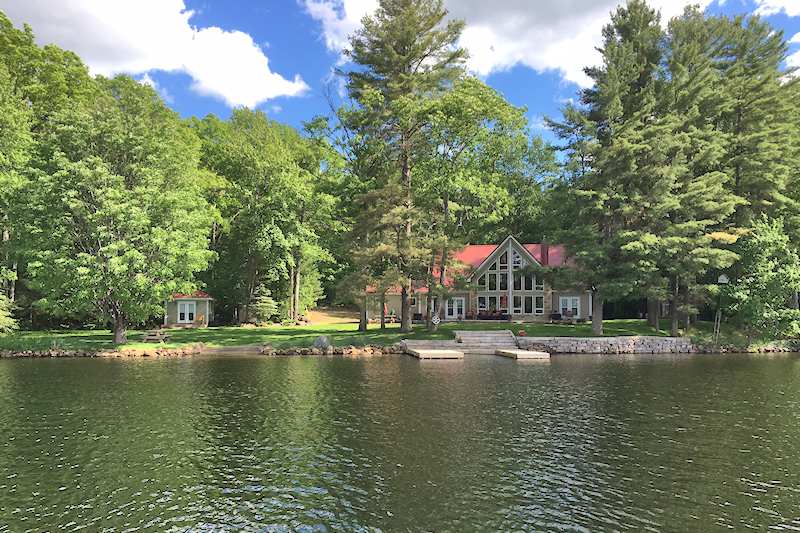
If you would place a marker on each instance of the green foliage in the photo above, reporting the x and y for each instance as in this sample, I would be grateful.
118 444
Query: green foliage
277 209
7 321
263 308
114 220
766 282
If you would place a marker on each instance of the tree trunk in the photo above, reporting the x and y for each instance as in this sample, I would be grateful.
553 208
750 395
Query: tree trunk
12 285
653 312
296 287
291 293
673 309
405 308
428 310
597 313
362 317
383 310
120 330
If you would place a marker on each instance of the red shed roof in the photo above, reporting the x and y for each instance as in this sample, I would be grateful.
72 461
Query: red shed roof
196 295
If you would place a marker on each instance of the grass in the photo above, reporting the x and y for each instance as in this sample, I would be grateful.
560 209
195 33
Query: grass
298 336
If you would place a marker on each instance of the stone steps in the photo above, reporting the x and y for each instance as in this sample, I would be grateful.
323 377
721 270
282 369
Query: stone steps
469 342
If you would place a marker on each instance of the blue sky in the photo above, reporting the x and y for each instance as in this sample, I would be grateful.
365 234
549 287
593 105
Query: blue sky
206 56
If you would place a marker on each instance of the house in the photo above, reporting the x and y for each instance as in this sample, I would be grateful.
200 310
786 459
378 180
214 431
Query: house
189 310
500 286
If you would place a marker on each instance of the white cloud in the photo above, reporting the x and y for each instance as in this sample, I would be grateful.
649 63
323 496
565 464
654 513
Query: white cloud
773 7
162 91
558 35
136 37
794 59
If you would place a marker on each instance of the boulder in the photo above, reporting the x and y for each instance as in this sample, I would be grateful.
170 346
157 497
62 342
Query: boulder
322 343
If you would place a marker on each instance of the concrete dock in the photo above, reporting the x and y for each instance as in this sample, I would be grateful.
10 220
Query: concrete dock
521 354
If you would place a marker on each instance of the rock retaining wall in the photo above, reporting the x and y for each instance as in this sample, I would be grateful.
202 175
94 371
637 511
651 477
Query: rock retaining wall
608 345
155 351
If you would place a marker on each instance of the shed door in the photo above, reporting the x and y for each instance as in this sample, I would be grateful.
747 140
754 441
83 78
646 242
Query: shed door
186 312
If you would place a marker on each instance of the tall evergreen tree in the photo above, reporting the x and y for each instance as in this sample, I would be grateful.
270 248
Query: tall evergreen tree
404 54
617 183
758 117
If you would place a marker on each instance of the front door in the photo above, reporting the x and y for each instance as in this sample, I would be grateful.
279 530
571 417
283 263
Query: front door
186 312
455 308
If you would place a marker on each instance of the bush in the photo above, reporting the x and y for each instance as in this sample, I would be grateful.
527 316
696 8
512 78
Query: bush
7 321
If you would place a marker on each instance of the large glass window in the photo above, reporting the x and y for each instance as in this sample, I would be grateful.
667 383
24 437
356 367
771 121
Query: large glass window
492 303
517 305
538 283
504 281
540 305
516 259
504 304
528 283
481 303
528 305
482 282
517 281
504 261
492 282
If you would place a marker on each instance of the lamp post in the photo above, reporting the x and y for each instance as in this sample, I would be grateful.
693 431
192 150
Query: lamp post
721 280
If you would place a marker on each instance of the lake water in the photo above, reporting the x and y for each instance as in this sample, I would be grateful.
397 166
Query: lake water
317 444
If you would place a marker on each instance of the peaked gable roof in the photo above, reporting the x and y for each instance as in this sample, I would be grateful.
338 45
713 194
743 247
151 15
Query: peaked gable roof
474 256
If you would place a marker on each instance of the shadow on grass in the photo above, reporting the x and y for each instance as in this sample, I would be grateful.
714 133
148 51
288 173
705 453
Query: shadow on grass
298 336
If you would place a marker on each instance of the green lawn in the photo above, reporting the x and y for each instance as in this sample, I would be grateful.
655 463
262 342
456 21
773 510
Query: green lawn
297 336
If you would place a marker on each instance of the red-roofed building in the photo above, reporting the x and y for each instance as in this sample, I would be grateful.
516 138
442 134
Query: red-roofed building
499 284
189 310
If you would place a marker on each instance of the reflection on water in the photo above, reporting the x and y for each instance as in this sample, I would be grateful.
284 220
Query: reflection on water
230 444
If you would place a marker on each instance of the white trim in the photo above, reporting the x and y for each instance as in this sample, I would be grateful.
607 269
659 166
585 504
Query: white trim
494 255
455 314
189 309
562 306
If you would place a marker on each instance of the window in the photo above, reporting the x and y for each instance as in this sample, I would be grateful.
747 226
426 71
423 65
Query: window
570 306
517 305
540 305
516 259
493 266
538 283
482 282
503 282
504 304
528 305
481 303
492 282
517 281
504 261
492 303
528 283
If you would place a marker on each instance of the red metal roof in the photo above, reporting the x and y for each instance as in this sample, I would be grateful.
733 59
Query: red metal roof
473 255
194 295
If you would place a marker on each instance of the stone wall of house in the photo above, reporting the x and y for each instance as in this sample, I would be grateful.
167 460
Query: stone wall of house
608 345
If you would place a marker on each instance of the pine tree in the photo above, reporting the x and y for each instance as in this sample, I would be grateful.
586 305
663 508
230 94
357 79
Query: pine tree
758 117
616 158
404 54
684 235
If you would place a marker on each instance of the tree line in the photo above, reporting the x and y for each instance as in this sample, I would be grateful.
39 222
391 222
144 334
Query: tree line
678 165
110 202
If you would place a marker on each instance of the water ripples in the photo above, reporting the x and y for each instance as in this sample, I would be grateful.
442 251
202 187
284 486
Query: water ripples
395 444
